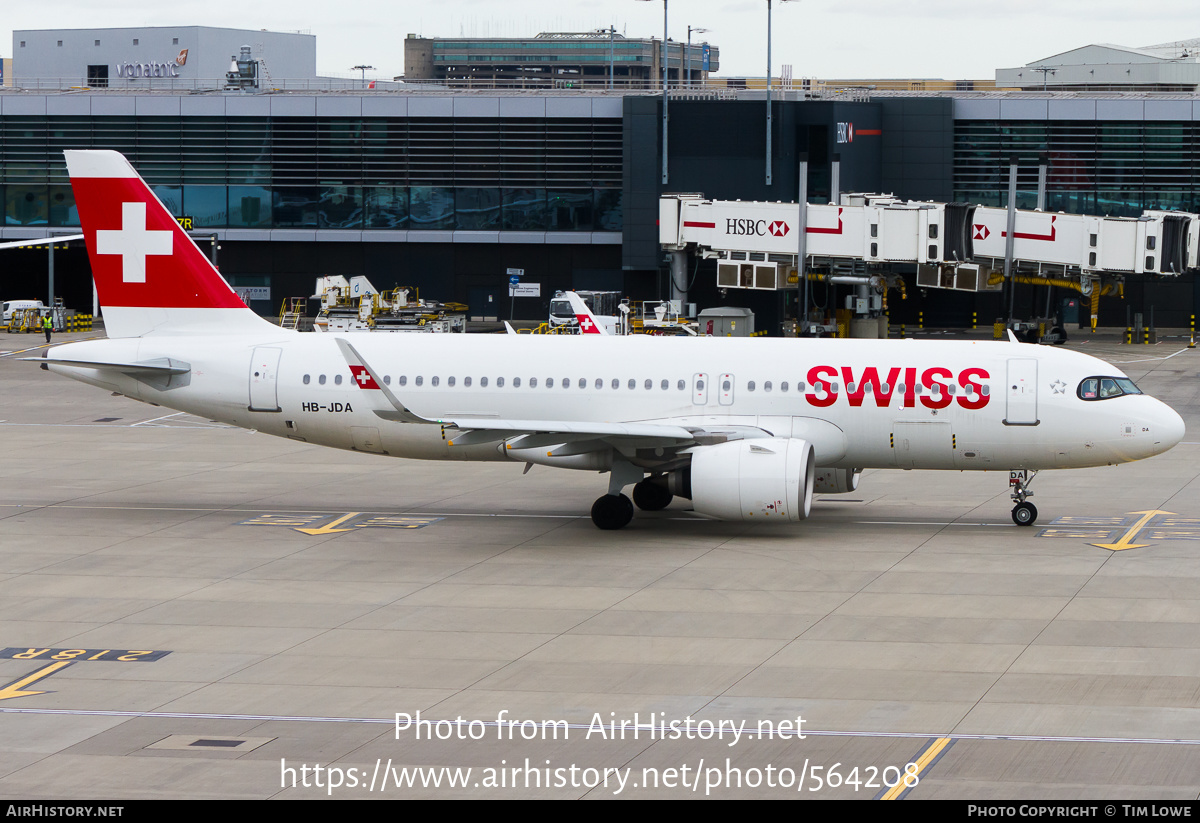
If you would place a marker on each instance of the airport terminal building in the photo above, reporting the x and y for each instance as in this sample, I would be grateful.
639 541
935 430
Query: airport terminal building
448 189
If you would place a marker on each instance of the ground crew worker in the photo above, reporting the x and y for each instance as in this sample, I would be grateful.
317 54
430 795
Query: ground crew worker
48 325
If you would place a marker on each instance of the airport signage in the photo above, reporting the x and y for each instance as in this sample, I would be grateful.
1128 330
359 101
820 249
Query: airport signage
153 69
525 290
248 293
760 228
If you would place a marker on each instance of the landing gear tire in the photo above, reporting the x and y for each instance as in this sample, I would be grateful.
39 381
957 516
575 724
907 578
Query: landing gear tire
612 511
651 497
1023 514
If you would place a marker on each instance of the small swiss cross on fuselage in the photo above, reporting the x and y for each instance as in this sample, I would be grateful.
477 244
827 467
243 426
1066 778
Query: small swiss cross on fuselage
133 242
363 377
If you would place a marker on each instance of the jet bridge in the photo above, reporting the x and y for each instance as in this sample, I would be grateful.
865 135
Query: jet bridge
954 245
868 228
1157 242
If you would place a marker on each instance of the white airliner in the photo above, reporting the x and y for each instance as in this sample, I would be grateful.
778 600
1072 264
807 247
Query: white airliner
747 429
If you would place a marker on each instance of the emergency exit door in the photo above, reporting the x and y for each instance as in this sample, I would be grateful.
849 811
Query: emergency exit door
264 368
1021 389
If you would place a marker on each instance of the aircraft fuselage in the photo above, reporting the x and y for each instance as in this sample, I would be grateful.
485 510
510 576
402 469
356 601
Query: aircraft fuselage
861 403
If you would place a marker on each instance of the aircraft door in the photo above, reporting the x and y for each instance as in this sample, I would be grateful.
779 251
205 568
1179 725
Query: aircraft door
923 445
725 390
264 373
1022 392
366 439
699 389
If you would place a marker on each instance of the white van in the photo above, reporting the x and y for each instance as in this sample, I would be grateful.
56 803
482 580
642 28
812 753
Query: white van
12 306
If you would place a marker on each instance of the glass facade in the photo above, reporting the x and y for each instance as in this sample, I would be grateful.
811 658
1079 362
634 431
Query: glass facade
481 174
1095 167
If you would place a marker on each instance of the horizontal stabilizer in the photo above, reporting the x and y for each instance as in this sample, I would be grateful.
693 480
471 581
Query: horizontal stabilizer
45 241
162 366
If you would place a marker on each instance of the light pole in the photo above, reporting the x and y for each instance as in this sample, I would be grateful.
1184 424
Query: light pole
769 94
611 32
688 59
363 69
1045 71
664 91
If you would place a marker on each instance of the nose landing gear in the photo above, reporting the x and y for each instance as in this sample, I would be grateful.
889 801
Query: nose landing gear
1024 513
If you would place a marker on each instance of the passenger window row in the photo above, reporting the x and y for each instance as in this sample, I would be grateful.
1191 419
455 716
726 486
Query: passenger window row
868 388
549 382
664 385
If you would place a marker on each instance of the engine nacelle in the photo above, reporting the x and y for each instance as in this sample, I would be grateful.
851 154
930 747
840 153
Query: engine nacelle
756 480
836 481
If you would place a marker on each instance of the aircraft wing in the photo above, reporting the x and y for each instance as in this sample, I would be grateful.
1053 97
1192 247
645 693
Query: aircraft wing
581 436
576 435
534 433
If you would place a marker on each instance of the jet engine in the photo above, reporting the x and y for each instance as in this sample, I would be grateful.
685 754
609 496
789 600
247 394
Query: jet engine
752 480
836 481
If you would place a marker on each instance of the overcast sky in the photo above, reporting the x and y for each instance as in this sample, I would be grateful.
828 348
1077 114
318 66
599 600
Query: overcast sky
950 39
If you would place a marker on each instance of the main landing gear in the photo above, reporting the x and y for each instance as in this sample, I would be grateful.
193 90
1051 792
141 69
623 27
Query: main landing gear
614 510
652 494
1024 513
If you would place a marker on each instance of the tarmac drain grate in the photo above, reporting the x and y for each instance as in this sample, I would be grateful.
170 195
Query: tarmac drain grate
185 742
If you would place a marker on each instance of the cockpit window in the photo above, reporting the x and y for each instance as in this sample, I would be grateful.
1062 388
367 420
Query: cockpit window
1105 388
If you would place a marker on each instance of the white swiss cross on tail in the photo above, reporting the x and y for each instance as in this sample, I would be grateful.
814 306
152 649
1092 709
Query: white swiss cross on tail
133 242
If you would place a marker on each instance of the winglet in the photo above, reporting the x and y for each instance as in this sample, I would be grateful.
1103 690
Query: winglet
368 378
508 329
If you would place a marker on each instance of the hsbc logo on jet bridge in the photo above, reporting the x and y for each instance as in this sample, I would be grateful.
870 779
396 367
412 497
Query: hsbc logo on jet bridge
756 228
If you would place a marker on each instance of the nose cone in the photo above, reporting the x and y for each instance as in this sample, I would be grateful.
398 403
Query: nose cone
1167 428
